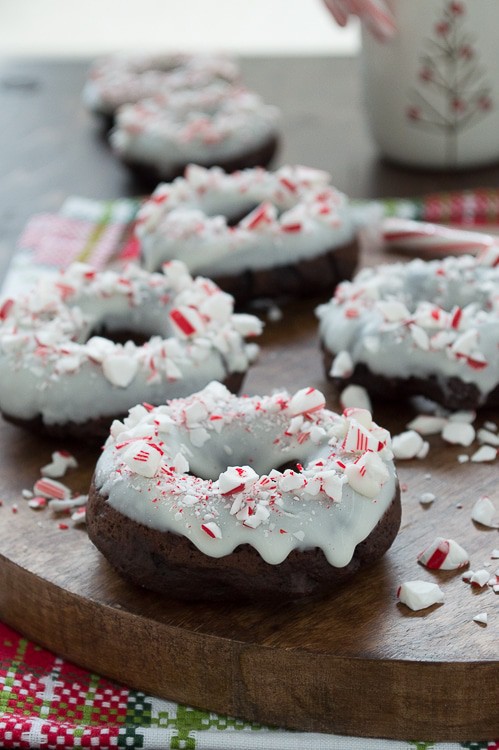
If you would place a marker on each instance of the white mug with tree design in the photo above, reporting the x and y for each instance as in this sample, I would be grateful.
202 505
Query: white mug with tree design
432 90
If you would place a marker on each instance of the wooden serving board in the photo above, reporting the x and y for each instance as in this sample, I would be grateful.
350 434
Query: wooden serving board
356 663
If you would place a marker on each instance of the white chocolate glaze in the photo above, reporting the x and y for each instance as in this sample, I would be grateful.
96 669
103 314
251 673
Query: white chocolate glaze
298 215
53 363
126 78
208 125
438 318
234 495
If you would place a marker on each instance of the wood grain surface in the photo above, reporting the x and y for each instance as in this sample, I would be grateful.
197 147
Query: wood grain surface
357 662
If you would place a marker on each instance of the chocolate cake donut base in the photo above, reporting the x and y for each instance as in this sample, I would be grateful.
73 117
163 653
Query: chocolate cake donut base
453 393
171 565
305 278
93 430
150 174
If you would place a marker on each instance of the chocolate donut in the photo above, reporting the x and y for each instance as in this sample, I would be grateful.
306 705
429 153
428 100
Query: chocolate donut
427 328
58 369
220 124
257 233
170 514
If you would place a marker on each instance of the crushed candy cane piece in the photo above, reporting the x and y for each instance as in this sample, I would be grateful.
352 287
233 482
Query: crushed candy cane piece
486 436
212 529
27 494
463 416
143 458
427 424
407 444
342 366
495 554
37 503
420 594
444 554
427 498
306 401
79 516
480 578
180 464
463 458
481 618
120 369
60 505
367 475
50 488
484 454
458 433
236 479
61 462
483 512
355 396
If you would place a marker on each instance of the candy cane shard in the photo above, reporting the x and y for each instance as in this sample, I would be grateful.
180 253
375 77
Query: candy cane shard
444 554
483 512
420 594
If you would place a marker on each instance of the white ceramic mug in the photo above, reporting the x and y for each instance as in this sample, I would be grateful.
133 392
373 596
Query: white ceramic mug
432 92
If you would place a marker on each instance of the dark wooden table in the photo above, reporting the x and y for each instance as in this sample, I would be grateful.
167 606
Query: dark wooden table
50 146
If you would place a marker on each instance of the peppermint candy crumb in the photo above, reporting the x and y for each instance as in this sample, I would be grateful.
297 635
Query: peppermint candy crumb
481 618
419 595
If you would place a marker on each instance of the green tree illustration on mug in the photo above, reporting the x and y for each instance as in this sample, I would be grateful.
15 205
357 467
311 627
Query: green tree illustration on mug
452 94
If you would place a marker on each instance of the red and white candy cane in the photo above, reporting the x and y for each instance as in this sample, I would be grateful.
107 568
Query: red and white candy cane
426 240
374 14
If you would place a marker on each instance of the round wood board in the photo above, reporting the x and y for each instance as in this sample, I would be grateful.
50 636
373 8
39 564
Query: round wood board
357 662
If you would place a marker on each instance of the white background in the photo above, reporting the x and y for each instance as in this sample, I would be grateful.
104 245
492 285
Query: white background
251 27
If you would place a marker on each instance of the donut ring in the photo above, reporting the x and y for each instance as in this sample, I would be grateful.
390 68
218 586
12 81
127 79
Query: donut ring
292 232
428 328
248 529
220 124
123 78
57 372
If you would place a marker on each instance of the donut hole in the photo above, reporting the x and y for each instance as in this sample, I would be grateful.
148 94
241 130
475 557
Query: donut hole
209 462
132 324
120 335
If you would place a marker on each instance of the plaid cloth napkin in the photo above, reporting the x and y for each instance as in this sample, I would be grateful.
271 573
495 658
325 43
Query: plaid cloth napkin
46 702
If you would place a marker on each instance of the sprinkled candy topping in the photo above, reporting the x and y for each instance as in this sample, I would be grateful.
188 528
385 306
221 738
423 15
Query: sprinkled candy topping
421 319
122 78
298 214
49 337
143 468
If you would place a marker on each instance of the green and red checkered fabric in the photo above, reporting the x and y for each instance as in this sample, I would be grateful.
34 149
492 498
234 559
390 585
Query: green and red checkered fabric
46 702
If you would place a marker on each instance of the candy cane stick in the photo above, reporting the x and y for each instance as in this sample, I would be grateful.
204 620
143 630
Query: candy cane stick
373 13
433 240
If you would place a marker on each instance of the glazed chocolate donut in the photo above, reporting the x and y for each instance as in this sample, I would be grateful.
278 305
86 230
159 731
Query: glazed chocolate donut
426 328
127 78
57 370
186 501
220 124
257 233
